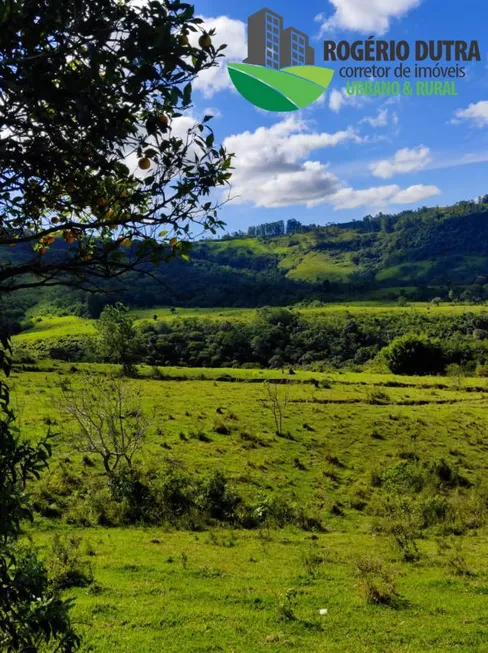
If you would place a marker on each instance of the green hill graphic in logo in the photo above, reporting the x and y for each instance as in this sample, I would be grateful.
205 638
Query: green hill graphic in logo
288 89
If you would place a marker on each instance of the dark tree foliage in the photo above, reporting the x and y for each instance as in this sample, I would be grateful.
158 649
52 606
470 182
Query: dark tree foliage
99 171
414 355
293 226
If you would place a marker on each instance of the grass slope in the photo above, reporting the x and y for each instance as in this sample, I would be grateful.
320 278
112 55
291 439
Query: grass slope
226 590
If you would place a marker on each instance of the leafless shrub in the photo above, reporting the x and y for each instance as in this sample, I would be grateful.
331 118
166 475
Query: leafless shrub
279 397
106 419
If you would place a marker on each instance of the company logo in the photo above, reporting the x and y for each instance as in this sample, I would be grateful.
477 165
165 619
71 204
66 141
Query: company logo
279 73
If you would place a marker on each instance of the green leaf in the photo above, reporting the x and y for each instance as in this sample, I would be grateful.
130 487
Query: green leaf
289 89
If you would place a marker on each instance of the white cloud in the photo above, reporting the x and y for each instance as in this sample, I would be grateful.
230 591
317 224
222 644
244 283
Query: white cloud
336 101
404 161
340 98
368 16
273 169
348 198
414 194
212 111
271 166
231 33
311 184
476 112
380 120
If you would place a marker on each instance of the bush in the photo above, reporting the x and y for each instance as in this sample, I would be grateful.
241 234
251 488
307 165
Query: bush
65 565
218 500
25 325
414 355
55 490
221 428
273 510
286 605
404 476
177 496
453 553
482 371
138 502
377 581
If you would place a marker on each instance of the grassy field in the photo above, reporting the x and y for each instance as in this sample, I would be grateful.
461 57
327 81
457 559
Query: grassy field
318 266
226 591
232 589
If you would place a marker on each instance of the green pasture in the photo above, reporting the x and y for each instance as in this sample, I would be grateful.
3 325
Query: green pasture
224 589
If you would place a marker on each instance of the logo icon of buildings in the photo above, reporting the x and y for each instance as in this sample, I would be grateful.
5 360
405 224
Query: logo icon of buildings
272 46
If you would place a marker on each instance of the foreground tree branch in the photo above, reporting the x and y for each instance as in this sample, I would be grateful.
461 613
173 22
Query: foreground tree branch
104 168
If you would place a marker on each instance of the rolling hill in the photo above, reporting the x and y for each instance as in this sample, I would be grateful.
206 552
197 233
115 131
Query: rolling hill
415 254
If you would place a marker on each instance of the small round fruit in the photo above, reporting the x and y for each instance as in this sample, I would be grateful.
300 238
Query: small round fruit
163 120
42 250
126 242
205 41
184 40
47 240
144 163
55 220
69 236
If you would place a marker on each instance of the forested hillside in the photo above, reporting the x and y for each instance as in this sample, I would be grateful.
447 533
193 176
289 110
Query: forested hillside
416 255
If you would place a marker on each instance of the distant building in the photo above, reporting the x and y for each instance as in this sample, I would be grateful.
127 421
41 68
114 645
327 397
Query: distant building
295 49
274 47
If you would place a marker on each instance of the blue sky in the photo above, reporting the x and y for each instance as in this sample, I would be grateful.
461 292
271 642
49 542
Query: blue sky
344 158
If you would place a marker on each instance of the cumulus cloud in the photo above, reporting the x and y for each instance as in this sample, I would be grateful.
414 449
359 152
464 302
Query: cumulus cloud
477 113
311 184
231 33
272 167
414 194
379 196
368 16
404 161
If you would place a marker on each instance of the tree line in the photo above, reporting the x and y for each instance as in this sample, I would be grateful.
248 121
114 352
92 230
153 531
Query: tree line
279 338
